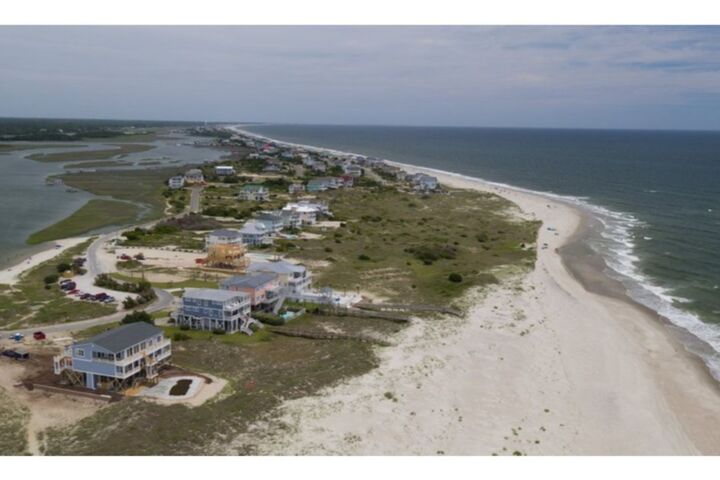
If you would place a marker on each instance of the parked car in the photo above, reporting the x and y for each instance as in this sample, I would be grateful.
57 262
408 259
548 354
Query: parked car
73 292
125 256
17 336
85 296
101 296
39 335
63 282
17 354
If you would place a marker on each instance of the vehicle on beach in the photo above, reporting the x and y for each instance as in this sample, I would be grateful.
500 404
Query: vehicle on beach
39 335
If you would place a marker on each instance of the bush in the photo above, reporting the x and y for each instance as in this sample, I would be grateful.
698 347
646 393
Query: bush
268 319
139 316
218 331
455 277
52 278
184 327
129 303
363 257
63 267
180 337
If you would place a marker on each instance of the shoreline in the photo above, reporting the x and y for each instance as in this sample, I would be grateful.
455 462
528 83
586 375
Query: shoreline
11 275
539 366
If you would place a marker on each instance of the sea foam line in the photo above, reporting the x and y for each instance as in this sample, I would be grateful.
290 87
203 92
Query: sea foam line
618 253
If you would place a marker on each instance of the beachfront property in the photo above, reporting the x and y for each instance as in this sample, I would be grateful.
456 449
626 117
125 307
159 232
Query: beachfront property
272 166
296 188
321 184
353 170
272 220
194 175
224 170
254 192
293 279
176 182
318 166
306 212
115 359
255 233
261 288
213 309
423 182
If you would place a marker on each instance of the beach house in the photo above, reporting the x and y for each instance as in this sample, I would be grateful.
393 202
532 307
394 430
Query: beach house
215 310
176 182
255 233
261 288
353 170
294 279
194 175
272 220
423 182
114 359
296 188
254 192
224 170
321 184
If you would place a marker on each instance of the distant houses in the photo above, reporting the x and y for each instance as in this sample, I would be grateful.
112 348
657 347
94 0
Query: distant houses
194 175
423 182
353 170
307 212
254 192
112 360
273 220
294 279
215 310
296 188
255 234
224 170
176 182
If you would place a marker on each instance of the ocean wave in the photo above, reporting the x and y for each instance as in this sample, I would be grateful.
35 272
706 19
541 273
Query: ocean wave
615 245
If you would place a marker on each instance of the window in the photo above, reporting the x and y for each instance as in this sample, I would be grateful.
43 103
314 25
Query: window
79 352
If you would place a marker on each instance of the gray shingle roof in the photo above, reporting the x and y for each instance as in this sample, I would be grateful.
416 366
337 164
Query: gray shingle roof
212 294
125 336
249 281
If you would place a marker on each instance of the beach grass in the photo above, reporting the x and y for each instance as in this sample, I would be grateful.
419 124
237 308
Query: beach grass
120 150
93 215
405 247
13 426
262 371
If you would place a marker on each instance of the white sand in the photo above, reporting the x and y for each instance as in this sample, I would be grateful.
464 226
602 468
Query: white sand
539 366
11 275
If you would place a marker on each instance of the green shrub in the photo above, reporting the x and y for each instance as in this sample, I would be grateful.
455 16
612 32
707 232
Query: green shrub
184 327
52 278
363 257
63 267
139 316
180 337
455 277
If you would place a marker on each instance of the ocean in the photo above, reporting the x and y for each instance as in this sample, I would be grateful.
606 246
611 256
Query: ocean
656 195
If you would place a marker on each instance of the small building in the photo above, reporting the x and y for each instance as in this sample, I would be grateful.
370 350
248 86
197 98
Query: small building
261 288
273 221
423 182
353 170
296 188
255 234
112 360
320 184
224 170
304 214
225 237
176 182
293 278
254 192
347 181
194 175
213 309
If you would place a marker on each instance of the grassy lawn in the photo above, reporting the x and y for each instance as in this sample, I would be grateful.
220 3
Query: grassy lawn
209 280
143 186
13 426
81 155
30 303
91 216
404 246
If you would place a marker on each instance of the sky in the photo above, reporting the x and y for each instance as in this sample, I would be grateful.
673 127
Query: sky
566 77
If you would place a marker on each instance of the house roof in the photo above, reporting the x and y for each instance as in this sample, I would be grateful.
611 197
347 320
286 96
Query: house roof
249 281
279 266
212 294
123 337
194 171
225 233
253 187
252 227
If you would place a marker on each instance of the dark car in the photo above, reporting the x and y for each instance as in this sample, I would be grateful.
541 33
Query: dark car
17 354
85 296
39 335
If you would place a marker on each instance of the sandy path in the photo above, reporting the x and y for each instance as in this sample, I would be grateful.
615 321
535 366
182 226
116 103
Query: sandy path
539 366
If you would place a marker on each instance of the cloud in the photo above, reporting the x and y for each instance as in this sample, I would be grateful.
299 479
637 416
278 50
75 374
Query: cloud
513 76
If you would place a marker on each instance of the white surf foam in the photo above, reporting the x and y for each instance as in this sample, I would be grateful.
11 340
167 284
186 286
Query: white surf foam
616 247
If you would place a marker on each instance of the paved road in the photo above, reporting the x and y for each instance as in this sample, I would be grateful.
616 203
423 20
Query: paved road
195 199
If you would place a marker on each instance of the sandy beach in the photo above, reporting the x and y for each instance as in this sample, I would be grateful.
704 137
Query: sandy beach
540 366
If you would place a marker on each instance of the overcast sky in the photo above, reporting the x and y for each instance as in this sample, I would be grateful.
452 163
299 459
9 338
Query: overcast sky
615 77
